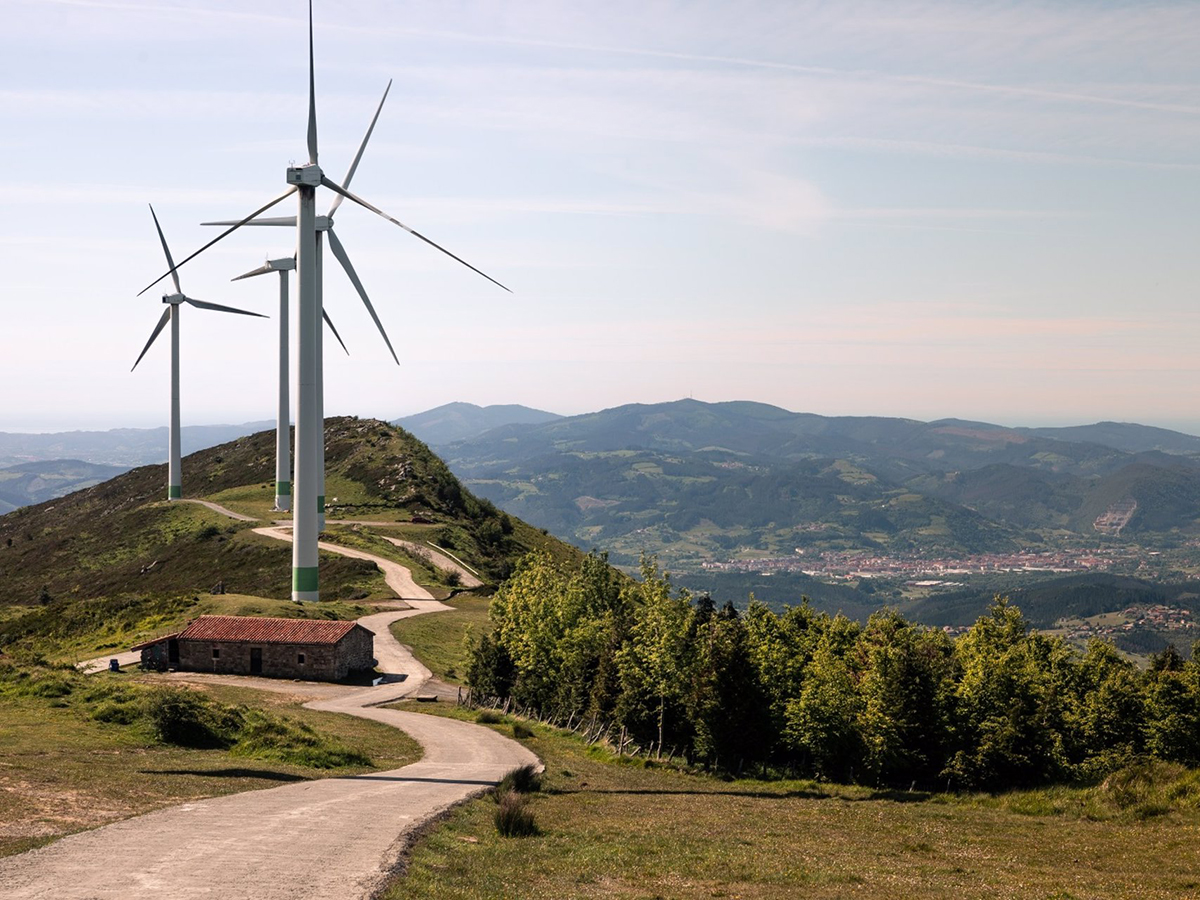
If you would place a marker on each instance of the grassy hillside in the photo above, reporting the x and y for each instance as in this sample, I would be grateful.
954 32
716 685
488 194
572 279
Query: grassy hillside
82 751
627 829
120 556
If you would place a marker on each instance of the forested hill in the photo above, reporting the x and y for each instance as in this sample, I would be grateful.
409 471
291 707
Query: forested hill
700 481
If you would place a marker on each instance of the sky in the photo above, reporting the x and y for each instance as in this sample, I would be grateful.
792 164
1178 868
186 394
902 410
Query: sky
906 208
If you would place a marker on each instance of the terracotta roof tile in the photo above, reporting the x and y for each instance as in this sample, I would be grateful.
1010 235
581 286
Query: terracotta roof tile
266 631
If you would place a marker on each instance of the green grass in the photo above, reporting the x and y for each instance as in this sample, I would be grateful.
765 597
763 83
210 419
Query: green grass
438 639
424 572
87 629
622 830
65 770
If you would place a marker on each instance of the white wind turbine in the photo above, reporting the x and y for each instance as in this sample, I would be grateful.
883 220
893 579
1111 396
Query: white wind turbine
324 226
171 314
283 452
304 181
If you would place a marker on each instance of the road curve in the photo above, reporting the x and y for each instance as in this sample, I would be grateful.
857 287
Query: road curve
398 578
216 507
333 839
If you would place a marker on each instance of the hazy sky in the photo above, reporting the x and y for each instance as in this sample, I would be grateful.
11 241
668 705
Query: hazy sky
983 210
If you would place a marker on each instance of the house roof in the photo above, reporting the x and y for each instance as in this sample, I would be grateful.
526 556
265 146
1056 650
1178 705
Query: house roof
158 640
263 630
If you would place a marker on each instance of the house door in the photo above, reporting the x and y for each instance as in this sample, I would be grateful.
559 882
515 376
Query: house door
256 660
173 652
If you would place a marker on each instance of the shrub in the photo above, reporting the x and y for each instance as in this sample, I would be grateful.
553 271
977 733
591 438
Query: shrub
268 737
521 731
187 719
513 818
489 717
525 780
116 713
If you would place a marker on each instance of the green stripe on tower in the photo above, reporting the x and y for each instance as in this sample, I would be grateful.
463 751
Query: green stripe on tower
321 503
283 489
304 579
174 492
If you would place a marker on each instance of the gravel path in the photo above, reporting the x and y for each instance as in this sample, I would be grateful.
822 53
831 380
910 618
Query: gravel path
398 578
332 839
216 507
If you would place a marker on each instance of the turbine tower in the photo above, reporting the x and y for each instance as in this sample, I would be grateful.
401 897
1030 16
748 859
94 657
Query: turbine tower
303 180
283 452
171 314
324 226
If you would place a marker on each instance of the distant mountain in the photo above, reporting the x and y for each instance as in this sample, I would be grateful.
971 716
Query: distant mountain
461 421
1126 436
696 481
118 447
36 482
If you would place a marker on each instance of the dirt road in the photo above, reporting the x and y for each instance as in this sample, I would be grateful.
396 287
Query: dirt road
334 839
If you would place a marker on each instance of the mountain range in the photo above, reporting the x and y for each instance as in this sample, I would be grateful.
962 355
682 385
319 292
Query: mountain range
36 482
461 421
698 481
125 447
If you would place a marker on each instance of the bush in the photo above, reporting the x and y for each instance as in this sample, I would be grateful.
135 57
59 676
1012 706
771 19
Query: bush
525 780
521 731
513 818
267 737
116 713
187 719
489 717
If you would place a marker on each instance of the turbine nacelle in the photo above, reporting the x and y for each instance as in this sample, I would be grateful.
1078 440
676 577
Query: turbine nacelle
305 176
174 299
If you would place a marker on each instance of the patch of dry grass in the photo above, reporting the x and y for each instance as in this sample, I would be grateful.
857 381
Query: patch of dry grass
62 771
619 830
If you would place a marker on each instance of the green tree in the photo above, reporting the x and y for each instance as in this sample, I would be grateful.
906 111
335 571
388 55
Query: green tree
1010 703
906 690
822 722
653 662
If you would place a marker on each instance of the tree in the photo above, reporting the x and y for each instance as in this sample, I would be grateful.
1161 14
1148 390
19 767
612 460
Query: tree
822 722
905 686
653 662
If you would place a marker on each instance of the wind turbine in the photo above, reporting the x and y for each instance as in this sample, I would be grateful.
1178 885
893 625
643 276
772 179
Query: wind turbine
283 453
171 314
324 226
303 180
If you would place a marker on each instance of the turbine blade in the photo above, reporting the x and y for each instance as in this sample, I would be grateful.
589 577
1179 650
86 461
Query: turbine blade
162 323
261 270
227 231
312 94
337 200
325 180
329 322
270 220
340 252
166 250
219 308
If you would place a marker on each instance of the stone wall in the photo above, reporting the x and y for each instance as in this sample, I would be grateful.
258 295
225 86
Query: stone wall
311 662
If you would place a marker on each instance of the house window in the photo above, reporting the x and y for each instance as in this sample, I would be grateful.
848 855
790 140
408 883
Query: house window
216 652
300 659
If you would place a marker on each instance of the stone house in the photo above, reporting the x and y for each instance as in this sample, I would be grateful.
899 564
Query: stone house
312 649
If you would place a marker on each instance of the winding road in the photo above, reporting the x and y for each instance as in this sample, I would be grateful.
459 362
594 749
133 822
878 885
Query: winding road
331 839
